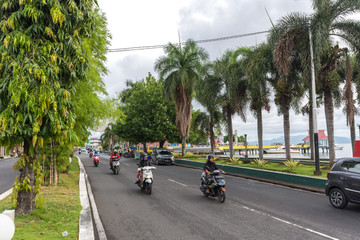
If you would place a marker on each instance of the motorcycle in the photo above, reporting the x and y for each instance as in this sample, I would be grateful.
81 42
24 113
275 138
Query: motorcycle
147 178
115 165
96 161
215 184
79 151
91 154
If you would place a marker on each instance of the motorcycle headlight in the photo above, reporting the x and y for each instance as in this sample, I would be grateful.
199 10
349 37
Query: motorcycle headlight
147 176
221 182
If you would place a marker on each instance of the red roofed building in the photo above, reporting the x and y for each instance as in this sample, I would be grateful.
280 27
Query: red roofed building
323 139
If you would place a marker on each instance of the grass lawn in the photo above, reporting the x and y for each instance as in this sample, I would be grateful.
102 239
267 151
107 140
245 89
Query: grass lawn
59 212
307 170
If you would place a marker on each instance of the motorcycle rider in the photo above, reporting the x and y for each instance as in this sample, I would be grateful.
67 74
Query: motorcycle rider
145 161
210 166
115 154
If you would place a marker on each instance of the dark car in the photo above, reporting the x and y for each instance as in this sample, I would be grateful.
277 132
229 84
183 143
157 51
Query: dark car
162 155
343 182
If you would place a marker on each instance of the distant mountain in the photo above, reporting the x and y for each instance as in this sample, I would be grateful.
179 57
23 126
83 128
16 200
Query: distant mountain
297 139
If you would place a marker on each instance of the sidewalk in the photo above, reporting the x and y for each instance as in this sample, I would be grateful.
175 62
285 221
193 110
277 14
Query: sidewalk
89 209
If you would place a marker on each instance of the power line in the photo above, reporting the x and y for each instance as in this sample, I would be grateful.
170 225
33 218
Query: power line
198 41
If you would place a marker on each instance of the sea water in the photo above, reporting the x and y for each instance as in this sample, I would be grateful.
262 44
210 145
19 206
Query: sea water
345 152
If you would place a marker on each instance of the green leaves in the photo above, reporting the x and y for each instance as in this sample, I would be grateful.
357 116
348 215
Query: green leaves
149 117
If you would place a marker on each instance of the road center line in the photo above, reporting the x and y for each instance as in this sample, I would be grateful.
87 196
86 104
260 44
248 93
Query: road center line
292 224
126 164
177 182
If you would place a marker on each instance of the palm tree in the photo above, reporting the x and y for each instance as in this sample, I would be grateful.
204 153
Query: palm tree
207 93
328 20
349 71
257 70
230 71
179 70
109 135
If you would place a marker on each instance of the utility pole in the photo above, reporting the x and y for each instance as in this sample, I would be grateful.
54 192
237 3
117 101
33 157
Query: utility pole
316 135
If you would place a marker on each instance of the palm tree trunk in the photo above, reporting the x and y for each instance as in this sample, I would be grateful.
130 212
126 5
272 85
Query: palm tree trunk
183 146
260 133
25 197
230 136
161 143
329 114
287 131
212 137
352 134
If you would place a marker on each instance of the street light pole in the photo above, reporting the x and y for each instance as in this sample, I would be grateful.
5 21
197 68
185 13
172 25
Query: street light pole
314 110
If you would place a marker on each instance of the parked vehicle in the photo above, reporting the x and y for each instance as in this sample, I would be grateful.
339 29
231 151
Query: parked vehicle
162 156
343 182
214 185
129 154
116 165
147 178
96 161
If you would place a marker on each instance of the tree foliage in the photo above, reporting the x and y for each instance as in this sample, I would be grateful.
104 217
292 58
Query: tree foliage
44 57
149 117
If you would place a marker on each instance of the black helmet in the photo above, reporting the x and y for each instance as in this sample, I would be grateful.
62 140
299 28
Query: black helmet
115 152
209 156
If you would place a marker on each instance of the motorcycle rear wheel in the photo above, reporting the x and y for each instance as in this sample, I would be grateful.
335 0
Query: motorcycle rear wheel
148 188
221 196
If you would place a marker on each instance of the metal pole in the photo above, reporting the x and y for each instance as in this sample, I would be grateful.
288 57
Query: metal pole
316 135
246 149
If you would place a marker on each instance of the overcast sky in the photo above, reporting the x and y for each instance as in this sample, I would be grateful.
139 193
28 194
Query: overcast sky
144 22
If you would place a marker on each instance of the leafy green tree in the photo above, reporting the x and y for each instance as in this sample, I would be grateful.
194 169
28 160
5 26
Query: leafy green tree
200 128
180 69
43 58
148 117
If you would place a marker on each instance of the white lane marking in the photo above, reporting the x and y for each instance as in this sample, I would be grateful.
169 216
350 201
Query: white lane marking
126 164
177 182
292 224
5 194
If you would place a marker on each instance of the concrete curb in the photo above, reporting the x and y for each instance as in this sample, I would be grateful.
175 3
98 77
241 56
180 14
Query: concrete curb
86 229
313 184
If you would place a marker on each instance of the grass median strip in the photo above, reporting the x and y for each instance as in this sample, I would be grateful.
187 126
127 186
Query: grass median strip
58 210
307 170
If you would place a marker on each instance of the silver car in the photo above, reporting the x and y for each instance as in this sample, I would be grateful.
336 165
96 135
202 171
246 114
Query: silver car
162 156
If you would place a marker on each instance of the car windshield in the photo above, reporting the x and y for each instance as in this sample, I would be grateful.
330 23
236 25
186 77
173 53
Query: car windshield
165 152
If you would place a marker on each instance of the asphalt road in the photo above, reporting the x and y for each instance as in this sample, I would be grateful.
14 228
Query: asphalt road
178 210
7 174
